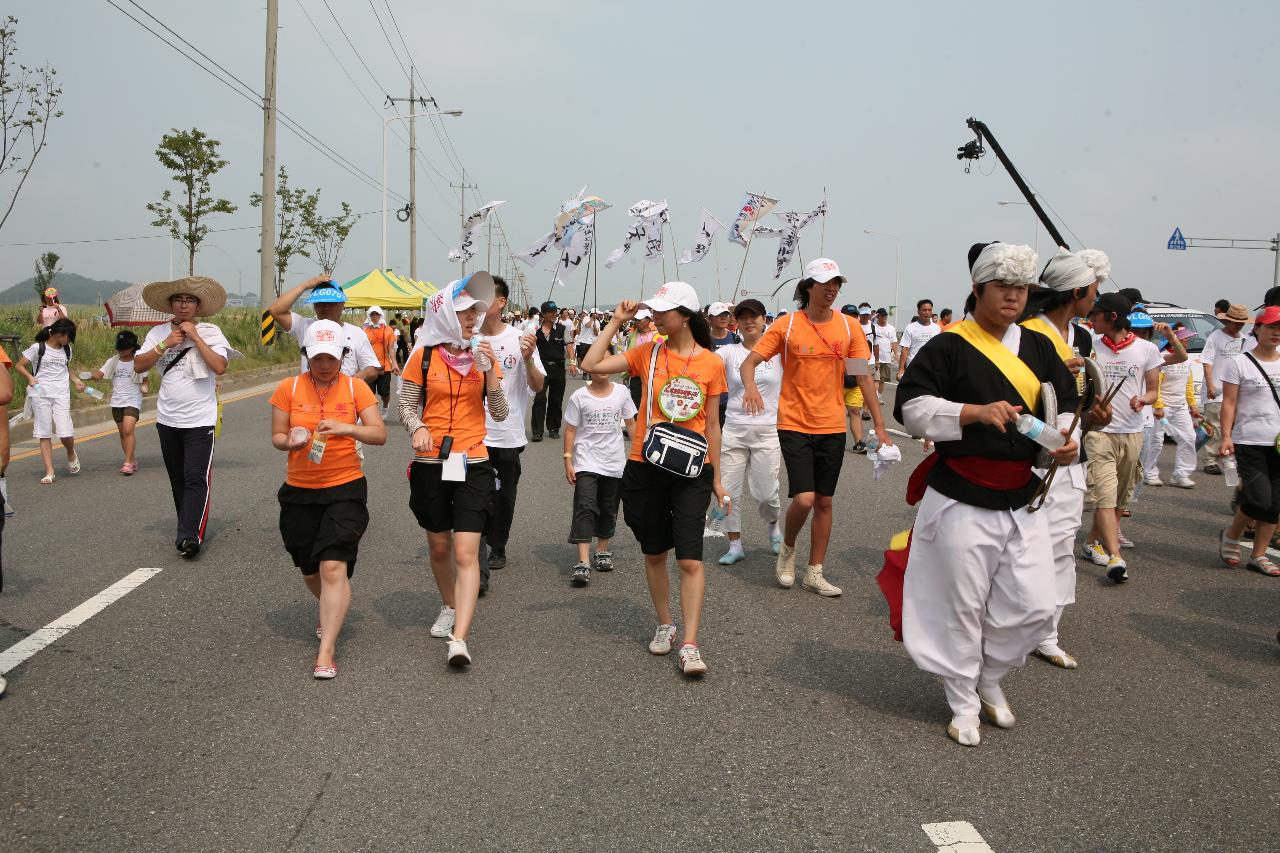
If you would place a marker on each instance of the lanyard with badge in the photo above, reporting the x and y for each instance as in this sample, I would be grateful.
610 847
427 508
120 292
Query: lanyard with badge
454 467
681 397
1266 378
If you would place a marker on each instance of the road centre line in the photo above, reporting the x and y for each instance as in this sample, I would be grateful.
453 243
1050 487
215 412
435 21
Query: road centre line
956 837
46 636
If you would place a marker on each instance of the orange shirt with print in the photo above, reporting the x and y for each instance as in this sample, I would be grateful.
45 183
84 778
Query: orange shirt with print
307 407
705 368
454 404
812 398
382 339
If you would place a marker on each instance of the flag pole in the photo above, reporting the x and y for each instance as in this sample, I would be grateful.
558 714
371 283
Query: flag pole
595 269
715 247
822 243
743 268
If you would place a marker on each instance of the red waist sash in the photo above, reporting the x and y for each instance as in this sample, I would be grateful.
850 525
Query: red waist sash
996 474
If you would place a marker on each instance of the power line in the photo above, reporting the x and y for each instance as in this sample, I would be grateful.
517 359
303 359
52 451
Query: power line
165 235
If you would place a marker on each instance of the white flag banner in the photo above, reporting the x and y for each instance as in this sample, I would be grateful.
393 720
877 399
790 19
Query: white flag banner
535 252
464 252
575 246
789 234
753 207
709 227
578 209
649 218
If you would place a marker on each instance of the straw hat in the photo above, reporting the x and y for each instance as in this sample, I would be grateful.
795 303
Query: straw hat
1235 313
211 295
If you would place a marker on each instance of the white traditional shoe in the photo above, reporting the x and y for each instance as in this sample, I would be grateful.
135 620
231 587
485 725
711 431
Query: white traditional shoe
996 706
785 567
964 731
1056 656
815 582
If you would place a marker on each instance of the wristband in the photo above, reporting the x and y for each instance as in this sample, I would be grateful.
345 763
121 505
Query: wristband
160 348
568 456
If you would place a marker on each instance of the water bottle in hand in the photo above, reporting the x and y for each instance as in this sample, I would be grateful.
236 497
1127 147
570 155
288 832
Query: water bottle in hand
1230 473
94 393
1040 432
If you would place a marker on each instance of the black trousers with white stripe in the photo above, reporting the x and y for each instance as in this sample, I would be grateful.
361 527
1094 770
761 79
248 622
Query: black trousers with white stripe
188 456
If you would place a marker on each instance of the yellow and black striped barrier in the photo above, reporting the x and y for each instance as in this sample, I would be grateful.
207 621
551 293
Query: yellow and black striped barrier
268 329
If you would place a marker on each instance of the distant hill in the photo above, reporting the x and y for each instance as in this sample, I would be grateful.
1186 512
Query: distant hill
73 289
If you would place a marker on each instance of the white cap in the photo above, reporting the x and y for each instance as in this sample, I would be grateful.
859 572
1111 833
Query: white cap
325 337
822 270
718 308
475 289
673 294
644 314
374 309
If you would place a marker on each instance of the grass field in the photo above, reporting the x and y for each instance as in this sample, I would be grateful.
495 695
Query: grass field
95 343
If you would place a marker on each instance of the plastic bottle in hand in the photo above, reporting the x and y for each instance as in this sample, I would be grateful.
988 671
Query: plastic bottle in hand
1230 473
873 442
94 393
1040 432
715 520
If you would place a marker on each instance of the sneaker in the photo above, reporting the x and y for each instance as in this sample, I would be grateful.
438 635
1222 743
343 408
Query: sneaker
604 561
553 434
661 642
484 588
691 662
1095 552
728 558
129 468
860 447
497 558
1152 480
1212 468
319 632
537 436
444 622
188 548
866 416
457 654
1125 541
324 673
1184 482
581 575
1117 570
785 567
815 582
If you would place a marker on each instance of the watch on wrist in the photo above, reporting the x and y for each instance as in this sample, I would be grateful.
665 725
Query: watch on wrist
160 348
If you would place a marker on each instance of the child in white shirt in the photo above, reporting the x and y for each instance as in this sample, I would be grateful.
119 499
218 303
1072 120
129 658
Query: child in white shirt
127 389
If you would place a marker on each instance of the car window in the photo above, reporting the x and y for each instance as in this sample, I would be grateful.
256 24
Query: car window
1201 324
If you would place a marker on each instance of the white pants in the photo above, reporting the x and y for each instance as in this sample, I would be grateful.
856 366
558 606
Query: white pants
978 595
1184 437
753 451
1062 511
52 417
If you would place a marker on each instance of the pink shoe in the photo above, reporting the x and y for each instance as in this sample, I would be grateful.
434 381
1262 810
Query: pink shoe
324 672
129 468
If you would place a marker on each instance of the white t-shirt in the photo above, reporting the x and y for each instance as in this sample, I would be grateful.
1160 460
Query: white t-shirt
126 383
588 333
1257 415
917 336
54 381
883 339
187 399
1128 366
598 447
515 384
1219 348
768 380
568 330
359 350
1173 385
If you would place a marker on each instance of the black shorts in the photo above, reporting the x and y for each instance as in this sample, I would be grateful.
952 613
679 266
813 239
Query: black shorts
324 524
441 506
665 511
382 384
813 461
1259 482
119 413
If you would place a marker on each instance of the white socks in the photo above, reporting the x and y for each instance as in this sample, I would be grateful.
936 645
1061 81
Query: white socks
735 546
774 530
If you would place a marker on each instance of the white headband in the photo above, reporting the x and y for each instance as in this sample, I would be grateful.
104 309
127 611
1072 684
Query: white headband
1066 272
1097 261
1005 262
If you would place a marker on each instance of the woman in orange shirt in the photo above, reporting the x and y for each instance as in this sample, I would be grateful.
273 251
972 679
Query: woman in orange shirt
666 510
323 502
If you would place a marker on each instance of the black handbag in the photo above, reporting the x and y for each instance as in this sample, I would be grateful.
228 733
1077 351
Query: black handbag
672 448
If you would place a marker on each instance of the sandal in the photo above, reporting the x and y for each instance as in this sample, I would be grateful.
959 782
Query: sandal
46 479
1263 565
1228 549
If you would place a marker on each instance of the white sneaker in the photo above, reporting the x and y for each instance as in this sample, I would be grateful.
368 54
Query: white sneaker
444 622
1153 480
661 642
1183 482
458 654
1117 570
785 567
691 662
1125 541
1095 552
815 582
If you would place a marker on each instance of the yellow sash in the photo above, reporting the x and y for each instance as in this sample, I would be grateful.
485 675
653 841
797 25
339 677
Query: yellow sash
1039 324
1014 369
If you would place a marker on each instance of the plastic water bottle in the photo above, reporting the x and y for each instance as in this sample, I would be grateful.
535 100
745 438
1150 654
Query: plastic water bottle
94 393
873 442
715 520
1040 432
1230 474
1164 422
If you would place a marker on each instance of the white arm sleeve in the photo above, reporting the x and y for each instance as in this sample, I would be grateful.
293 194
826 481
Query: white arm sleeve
933 417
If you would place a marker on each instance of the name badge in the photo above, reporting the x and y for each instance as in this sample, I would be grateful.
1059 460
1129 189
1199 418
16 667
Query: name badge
680 398
454 468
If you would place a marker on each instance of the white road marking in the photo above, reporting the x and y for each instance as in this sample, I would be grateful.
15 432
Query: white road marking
46 636
898 432
956 837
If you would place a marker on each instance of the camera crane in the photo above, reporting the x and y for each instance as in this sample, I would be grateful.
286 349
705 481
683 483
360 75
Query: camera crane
974 150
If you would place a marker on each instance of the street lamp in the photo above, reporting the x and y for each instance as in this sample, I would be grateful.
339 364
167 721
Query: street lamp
385 124
1036 221
897 267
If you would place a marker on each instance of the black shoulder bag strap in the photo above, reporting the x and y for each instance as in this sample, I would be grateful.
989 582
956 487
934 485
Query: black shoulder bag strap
1266 378
174 363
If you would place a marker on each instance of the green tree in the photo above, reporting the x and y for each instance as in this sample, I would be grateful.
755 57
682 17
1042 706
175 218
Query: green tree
193 158
328 235
294 207
46 270
28 102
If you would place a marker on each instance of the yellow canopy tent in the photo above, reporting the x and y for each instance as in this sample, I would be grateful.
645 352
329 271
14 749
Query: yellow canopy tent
425 287
380 287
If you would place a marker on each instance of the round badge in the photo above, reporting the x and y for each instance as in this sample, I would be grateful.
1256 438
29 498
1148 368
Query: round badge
680 398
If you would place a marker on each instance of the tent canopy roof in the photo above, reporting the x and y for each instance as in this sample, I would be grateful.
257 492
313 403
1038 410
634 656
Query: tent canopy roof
385 288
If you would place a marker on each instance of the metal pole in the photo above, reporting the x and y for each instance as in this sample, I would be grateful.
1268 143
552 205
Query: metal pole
462 213
413 185
267 270
897 278
385 124
1275 277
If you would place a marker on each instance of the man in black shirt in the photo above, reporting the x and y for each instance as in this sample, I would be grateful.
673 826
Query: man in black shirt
554 351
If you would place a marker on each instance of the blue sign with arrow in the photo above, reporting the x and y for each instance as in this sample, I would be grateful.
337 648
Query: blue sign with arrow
1177 242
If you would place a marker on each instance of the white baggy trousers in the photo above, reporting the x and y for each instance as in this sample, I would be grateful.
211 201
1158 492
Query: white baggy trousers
750 452
1063 509
978 595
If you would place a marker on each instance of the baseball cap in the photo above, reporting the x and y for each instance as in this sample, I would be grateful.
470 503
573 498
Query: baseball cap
865 311
750 306
549 306
324 337
718 308
1112 303
644 314
673 294
476 289
326 293
851 310
880 312
822 270
1268 316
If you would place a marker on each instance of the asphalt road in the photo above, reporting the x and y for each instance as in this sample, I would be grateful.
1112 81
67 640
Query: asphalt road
183 716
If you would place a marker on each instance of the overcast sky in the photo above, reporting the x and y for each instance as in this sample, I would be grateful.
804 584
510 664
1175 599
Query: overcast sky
1129 118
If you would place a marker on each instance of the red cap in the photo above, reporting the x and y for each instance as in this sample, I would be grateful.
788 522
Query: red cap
1268 316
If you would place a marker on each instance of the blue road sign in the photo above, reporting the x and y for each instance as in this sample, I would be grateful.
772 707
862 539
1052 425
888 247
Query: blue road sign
1177 242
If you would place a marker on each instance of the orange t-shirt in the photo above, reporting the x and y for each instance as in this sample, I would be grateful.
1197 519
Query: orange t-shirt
381 338
343 402
4 358
812 398
454 404
705 368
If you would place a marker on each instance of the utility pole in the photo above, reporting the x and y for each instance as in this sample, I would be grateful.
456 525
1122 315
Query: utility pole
462 205
414 102
267 279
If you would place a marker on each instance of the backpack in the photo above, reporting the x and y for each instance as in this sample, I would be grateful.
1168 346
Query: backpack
40 357
426 363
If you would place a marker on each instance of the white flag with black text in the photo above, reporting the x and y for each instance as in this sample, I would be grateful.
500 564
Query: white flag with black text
702 243
465 250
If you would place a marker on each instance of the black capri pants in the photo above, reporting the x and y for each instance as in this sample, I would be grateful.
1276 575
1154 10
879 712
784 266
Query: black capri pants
1259 466
324 524
665 511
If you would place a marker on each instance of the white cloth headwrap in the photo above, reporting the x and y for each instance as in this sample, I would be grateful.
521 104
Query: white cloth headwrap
1097 261
440 324
1007 263
1066 272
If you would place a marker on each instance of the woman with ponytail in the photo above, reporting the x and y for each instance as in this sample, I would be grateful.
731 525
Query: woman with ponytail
46 365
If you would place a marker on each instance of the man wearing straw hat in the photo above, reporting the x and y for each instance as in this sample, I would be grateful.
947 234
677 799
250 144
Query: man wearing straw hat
1221 346
190 356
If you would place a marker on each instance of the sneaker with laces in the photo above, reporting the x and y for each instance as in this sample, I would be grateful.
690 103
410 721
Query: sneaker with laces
785 567
1125 541
691 662
1095 552
444 622
815 582
457 653
1212 468
604 561
661 642
1152 480
581 575
1184 482
1117 570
